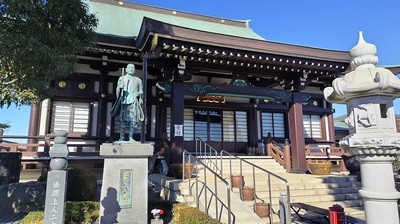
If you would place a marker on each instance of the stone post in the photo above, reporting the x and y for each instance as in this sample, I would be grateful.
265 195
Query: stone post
56 180
124 191
368 92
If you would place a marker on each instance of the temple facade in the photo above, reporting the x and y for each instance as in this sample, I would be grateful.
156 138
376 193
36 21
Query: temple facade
204 77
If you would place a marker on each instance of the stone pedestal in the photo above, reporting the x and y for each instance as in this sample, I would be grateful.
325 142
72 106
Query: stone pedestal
125 183
57 180
157 221
368 92
378 189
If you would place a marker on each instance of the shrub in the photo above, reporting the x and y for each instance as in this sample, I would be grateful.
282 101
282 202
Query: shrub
184 214
75 212
82 184
81 211
34 217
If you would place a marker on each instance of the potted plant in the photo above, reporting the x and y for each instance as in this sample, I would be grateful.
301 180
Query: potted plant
237 180
320 167
177 170
262 209
157 216
247 193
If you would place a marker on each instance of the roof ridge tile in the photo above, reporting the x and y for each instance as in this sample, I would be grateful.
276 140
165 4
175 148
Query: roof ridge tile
189 15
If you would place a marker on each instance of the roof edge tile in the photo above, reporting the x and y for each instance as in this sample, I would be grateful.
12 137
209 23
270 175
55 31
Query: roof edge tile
155 9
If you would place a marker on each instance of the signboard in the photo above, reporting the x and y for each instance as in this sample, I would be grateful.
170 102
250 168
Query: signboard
125 188
178 130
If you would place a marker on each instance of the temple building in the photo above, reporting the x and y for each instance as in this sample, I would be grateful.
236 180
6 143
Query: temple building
205 77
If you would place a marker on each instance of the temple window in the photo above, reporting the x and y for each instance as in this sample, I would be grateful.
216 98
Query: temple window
312 126
213 125
273 123
72 117
235 126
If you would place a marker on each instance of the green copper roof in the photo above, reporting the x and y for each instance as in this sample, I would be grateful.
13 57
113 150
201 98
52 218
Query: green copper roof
125 22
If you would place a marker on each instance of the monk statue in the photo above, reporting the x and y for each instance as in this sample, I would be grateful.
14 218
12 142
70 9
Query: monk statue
129 102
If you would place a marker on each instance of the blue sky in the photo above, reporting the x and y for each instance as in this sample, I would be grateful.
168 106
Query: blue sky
322 24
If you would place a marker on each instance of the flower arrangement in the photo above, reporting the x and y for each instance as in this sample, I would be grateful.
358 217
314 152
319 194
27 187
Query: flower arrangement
157 213
92 219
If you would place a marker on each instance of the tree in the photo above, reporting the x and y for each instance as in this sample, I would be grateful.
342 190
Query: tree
39 41
3 126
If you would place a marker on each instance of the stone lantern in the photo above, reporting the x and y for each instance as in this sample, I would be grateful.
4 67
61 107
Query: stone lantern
368 92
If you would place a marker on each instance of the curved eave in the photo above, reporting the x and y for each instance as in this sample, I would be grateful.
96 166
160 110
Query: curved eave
395 69
150 26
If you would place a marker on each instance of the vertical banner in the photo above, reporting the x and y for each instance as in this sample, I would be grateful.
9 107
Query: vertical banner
178 130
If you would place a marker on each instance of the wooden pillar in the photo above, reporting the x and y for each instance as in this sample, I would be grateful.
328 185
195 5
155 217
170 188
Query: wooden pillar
331 129
296 130
253 125
160 116
33 125
101 113
177 110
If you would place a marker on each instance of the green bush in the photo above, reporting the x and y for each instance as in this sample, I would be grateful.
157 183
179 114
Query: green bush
81 211
184 214
82 185
34 217
75 212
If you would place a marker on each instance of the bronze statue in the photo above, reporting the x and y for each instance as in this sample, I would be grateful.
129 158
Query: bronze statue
129 102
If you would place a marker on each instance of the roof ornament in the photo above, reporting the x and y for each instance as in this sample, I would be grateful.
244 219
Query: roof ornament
363 54
366 79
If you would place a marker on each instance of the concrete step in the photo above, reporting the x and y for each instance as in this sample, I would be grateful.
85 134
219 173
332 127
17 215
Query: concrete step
298 184
262 161
306 193
322 191
242 213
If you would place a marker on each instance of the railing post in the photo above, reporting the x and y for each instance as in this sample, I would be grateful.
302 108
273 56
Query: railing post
286 153
307 149
284 209
342 166
14 148
268 144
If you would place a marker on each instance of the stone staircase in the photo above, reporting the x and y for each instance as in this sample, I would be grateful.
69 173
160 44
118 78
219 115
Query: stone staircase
319 191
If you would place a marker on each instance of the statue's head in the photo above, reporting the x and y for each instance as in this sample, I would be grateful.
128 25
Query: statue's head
130 69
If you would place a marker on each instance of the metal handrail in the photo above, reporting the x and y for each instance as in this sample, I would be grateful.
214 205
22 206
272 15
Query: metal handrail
209 152
187 158
241 160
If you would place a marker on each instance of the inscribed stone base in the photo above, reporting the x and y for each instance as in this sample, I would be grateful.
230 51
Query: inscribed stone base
156 221
55 196
125 183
